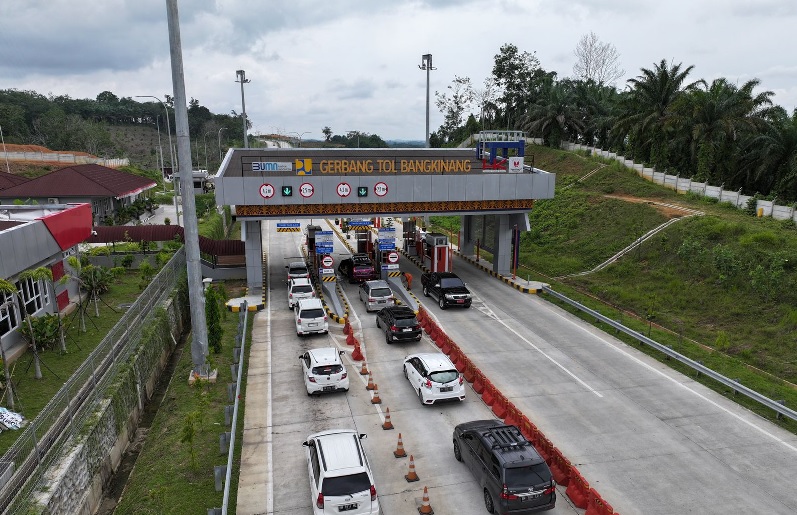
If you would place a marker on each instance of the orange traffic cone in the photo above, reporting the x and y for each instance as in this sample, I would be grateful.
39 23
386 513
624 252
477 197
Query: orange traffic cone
387 424
399 452
364 370
425 507
375 399
370 385
411 476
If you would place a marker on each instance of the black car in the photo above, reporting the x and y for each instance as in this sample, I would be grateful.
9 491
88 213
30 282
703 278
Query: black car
399 324
511 473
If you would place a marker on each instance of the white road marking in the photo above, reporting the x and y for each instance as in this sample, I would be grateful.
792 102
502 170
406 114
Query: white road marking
269 438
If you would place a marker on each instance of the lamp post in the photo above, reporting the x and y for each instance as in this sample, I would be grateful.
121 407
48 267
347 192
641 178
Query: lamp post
205 140
160 148
168 128
426 64
299 137
243 80
222 129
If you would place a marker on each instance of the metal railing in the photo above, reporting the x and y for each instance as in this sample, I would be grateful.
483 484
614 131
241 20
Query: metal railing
24 464
774 405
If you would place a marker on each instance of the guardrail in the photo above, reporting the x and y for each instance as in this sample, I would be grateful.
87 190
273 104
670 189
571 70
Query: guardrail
774 405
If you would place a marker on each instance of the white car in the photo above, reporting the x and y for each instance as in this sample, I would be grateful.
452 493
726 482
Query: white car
297 269
310 317
323 371
300 288
341 480
434 377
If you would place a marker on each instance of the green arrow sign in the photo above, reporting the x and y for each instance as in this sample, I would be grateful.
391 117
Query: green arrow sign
287 191
362 191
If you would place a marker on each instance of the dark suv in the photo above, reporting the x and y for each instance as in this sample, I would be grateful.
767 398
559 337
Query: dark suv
399 324
513 476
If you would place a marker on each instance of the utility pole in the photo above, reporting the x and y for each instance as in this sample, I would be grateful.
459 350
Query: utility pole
426 64
199 328
243 80
222 129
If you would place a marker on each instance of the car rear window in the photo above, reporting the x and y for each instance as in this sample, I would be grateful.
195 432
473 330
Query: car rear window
406 322
381 292
529 475
295 270
345 485
444 376
325 370
302 288
311 313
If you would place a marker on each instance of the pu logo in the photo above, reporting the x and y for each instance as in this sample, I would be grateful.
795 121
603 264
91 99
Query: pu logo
304 167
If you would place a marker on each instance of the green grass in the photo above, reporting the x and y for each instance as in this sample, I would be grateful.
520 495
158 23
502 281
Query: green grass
166 479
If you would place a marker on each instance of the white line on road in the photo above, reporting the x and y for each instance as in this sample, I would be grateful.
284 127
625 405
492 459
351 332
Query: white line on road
269 439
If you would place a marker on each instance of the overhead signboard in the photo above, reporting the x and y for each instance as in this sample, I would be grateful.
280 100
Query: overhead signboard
359 223
287 224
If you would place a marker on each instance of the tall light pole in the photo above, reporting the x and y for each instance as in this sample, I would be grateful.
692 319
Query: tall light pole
168 129
426 64
160 148
243 80
222 129
205 140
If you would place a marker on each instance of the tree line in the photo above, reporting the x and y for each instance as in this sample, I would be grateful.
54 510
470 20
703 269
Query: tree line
718 132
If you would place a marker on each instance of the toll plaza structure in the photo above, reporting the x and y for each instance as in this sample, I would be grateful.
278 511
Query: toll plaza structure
296 183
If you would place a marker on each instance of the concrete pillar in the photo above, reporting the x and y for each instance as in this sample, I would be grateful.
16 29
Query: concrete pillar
253 246
467 244
505 224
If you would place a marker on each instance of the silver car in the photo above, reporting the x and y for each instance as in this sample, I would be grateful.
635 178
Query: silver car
376 295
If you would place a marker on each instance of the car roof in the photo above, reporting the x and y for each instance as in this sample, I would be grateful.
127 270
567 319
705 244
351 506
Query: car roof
300 281
340 450
400 311
310 303
297 264
324 355
433 360
377 283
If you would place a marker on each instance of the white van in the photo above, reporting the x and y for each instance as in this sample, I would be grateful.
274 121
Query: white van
340 475
310 317
300 288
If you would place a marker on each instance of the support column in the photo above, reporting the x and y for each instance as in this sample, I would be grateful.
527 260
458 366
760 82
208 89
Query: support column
505 224
467 243
253 246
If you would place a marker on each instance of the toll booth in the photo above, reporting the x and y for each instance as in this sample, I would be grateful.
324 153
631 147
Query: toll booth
435 251
409 238
310 243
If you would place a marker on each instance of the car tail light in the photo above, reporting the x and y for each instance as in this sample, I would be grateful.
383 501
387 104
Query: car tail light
320 501
416 327
551 489
290 295
428 384
312 293
373 493
371 299
460 379
344 376
311 378
299 321
325 318
393 328
507 496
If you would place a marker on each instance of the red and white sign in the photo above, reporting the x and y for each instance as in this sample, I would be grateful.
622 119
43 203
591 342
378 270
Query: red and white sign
380 188
306 190
515 165
266 190
344 190
392 257
327 261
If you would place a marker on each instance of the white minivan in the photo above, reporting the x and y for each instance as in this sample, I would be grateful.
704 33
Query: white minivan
300 288
310 317
341 480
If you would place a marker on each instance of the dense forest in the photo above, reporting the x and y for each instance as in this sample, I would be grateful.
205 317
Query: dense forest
718 132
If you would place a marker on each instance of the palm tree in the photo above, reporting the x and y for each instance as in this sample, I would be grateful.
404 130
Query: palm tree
773 156
647 110
555 116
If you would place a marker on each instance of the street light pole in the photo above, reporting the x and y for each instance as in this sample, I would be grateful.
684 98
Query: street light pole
168 128
160 148
205 140
222 129
243 80
426 64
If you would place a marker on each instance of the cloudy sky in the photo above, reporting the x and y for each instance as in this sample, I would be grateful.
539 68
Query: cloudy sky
352 65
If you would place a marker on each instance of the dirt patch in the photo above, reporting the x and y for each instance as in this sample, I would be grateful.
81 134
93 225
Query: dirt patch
668 210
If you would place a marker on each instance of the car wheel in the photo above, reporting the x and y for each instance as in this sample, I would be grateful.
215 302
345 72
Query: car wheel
377 323
457 452
488 502
387 338
425 291
298 334
467 306
442 303
405 372
420 396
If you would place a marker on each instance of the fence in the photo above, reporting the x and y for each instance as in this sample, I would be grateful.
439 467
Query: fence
57 157
779 408
685 184
45 437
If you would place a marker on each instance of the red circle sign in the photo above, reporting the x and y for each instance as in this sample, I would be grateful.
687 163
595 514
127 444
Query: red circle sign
392 257
327 261
380 189
306 190
266 190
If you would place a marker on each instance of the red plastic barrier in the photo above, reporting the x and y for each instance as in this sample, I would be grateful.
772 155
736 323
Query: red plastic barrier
462 362
544 448
478 381
444 342
499 406
560 467
596 505
488 396
578 489
513 415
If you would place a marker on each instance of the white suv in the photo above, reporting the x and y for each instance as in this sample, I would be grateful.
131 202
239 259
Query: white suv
324 371
340 476
434 377
300 288
310 317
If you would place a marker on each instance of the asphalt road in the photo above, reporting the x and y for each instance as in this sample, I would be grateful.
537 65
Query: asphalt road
648 439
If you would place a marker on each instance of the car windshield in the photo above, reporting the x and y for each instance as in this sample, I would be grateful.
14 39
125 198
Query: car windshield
451 282
406 322
444 376
381 292
312 313
345 485
325 370
517 477
302 288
